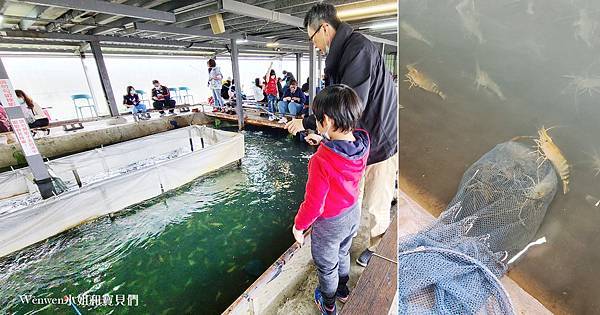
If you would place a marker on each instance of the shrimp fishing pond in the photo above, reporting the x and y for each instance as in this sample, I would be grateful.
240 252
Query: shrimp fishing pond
192 250
489 71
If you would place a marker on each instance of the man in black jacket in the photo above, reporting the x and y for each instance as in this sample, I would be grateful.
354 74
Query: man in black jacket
354 60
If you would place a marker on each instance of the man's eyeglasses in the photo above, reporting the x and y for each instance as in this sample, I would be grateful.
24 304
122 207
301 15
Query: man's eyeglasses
315 33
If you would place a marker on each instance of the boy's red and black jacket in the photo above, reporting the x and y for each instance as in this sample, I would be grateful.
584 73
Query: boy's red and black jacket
334 175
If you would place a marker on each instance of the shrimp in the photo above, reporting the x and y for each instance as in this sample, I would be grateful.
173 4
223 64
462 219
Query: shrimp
585 28
592 200
482 78
416 78
549 151
584 83
542 188
413 33
470 19
595 162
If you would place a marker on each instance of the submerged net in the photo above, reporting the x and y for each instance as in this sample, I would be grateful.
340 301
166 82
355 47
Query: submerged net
454 265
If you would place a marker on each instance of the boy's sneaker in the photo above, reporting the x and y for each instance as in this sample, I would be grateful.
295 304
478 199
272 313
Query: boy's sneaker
272 117
283 120
320 301
364 258
342 294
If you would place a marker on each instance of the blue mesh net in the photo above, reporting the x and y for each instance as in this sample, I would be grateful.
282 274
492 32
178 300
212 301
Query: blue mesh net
454 265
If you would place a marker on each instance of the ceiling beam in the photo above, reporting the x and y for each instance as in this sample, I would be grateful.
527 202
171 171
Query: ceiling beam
103 18
40 38
236 7
381 40
108 8
100 38
147 27
119 24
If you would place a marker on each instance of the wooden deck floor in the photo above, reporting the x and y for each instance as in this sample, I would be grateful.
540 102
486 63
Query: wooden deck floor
376 288
251 117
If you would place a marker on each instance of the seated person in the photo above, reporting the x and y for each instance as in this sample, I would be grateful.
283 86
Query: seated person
225 89
257 90
280 90
305 110
293 100
34 114
131 99
162 99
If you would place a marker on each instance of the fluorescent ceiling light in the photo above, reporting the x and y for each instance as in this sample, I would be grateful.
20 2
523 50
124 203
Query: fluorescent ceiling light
272 44
241 41
382 25
367 9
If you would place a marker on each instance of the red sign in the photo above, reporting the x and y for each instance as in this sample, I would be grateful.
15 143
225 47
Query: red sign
21 129
7 95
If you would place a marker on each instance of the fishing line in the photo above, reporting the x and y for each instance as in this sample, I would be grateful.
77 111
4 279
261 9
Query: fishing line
74 307
385 258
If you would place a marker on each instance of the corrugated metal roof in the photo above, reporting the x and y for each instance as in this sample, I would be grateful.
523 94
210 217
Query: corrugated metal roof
192 15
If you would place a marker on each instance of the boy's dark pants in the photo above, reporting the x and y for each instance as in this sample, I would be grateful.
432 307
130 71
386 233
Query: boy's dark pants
330 247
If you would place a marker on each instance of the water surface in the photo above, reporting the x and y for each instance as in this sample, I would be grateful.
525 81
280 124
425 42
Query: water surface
192 250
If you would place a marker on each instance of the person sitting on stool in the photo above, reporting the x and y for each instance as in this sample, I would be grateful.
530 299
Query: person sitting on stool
292 101
162 99
131 99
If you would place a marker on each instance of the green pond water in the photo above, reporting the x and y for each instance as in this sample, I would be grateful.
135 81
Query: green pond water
193 250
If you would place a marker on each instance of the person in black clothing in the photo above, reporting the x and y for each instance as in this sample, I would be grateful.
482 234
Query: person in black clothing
353 60
280 89
306 85
162 99
138 109
288 77
225 89
305 110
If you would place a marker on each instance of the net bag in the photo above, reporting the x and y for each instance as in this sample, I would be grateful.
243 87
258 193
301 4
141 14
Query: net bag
454 265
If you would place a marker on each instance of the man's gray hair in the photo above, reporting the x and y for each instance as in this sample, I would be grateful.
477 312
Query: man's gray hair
320 13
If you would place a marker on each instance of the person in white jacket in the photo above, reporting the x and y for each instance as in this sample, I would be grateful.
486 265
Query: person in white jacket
214 82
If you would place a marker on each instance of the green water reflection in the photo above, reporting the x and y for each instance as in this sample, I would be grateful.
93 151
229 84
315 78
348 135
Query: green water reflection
193 250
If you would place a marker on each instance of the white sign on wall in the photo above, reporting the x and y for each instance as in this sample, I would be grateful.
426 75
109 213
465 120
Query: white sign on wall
7 95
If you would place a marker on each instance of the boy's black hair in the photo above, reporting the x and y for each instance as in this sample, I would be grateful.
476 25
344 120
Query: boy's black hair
211 63
340 103
322 13
272 72
294 82
154 81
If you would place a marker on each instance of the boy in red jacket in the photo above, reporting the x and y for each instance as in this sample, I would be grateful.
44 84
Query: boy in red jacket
331 198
